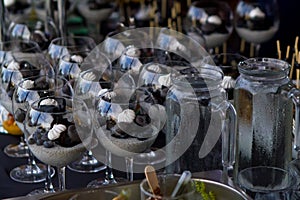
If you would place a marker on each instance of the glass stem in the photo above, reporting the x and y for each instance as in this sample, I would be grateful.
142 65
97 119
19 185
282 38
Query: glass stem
48 183
61 178
109 176
129 168
22 143
31 160
2 21
257 49
62 17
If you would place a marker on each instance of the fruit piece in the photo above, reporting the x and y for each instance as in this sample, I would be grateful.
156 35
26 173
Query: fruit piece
11 127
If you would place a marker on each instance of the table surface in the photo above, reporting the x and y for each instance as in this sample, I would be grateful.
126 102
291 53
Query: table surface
10 188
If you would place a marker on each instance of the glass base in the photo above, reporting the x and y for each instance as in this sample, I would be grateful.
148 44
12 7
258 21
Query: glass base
101 181
30 173
16 150
150 157
42 191
87 164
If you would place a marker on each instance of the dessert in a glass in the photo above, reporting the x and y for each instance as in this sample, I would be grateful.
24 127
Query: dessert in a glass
89 85
70 66
31 26
27 91
133 123
18 66
62 46
51 133
257 21
213 18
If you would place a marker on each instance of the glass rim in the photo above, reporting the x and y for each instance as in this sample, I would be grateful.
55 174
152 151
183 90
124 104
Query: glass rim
283 172
19 85
35 104
16 41
144 191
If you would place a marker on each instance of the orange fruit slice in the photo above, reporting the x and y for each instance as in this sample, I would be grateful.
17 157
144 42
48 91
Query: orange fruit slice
11 127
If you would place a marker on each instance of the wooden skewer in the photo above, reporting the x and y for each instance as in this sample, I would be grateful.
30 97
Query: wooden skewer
173 15
217 50
251 50
297 77
298 73
178 11
224 52
170 23
189 2
278 49
287 52
292 65
194 22
164 9
242 47
296 46
156 17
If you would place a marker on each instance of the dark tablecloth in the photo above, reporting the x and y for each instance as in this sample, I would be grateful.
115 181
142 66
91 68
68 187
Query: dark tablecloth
10 188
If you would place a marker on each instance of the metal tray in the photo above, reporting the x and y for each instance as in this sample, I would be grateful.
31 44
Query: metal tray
222 192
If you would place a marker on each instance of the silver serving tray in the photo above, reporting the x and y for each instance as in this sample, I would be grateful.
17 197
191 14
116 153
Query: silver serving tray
222 192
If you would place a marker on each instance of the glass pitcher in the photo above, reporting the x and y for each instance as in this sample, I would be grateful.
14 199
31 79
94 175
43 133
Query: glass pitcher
198 113
263 99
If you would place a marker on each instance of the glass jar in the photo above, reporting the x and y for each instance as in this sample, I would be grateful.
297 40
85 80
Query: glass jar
198 113
263 99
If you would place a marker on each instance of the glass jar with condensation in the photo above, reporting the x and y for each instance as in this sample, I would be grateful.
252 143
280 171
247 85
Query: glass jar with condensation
201 123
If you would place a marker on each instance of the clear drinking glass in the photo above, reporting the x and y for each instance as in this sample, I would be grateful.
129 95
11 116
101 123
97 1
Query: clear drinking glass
268 183
213 18
62 46
27 91
134 121
89 85
32 26
22 65
70 66
167 184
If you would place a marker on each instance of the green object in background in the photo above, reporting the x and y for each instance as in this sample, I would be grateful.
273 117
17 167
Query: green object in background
76 26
